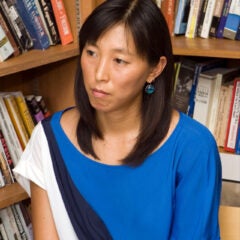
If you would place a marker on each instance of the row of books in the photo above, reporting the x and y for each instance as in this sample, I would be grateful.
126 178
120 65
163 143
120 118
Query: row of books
209 91
15 222
18 116
203 18
32 24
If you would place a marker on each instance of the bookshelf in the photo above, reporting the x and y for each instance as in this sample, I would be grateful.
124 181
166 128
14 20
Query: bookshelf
50 73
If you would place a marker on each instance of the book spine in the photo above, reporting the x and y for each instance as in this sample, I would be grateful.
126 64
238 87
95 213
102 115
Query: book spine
6 151
16 24
3 231
6 49
2 182
34 108
238 33
223 19
43 106
16 119
33 21
48 15
24 112
9 133
19 222
193 18
216 18
9 35
207 19
233 20
181 17
6 171
237 147
62 21
202 14
233 118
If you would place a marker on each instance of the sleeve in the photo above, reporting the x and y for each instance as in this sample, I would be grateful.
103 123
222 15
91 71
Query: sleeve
30 166
198 190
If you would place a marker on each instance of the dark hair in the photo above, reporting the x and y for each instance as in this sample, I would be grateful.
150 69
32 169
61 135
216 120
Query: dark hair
144 20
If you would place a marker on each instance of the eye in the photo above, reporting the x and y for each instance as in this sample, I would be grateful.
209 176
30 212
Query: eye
120 61
91 53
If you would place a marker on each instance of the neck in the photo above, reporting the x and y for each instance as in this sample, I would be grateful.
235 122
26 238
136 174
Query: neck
119 123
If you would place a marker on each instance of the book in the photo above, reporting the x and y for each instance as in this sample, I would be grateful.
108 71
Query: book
24 111
5 169
16 24
223 18
237 146
9 35
233 119
34 108
6 153
3 231
195 7
232 21
216 18
181 18
238 33
184 83
9 133
205 28
223 113
21 225
201 66
48 15
16 119
42 105
32 19
9 222
6 49
168 10
204 95
62 21
2 181
223 76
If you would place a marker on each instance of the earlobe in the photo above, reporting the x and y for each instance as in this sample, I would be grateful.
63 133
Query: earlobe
157 70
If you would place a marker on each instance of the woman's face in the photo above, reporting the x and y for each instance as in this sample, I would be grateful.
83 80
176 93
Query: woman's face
114 75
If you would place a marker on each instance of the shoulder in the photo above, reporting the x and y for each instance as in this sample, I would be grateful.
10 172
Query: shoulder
194 131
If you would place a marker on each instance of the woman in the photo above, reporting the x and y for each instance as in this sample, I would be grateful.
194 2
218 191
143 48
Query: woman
123 164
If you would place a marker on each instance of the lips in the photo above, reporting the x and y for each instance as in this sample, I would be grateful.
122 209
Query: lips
99 93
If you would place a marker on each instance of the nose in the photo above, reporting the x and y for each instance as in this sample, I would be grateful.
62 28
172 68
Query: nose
102 71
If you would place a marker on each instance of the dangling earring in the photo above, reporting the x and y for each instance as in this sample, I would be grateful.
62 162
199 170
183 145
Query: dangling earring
149 89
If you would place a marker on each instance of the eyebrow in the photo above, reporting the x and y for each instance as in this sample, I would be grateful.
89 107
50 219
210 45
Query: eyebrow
117 49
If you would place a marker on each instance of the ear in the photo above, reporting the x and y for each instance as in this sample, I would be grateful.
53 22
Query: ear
157 70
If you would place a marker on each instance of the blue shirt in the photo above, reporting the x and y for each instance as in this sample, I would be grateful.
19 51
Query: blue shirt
174 194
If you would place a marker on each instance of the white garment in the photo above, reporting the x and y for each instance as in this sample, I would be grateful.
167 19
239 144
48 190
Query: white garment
36 165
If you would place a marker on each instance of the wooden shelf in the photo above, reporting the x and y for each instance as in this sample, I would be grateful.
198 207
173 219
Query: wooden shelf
36 58
11 194
219 48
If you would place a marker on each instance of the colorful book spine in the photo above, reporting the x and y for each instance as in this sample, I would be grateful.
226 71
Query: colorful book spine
9 36
216 18
51 24
237 147
6 49
16 119
31 17
62 21
181 17
223 18
233 20
233 119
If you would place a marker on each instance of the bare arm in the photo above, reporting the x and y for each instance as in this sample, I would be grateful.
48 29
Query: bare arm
42 219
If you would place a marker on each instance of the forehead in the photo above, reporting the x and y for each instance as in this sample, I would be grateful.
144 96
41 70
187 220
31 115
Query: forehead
119 37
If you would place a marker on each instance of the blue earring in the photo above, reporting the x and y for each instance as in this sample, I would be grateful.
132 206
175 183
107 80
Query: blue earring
149 89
